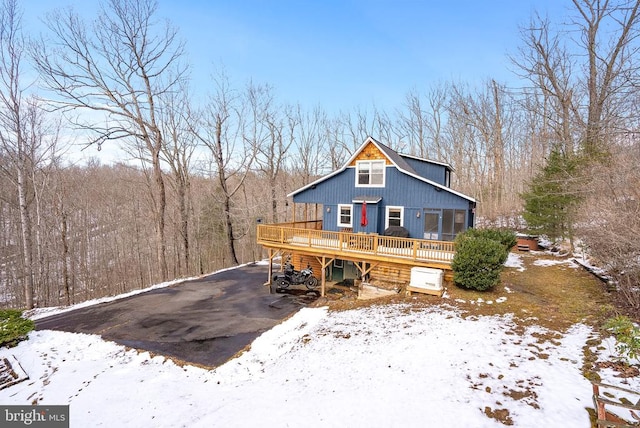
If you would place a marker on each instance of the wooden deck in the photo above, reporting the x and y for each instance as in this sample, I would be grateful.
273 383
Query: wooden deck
306 237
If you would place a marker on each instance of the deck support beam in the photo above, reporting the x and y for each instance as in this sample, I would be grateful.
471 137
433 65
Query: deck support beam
323 275
323 279
270 274
273 253
364 270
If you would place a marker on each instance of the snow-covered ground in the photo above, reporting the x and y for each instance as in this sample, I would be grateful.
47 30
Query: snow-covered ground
382 366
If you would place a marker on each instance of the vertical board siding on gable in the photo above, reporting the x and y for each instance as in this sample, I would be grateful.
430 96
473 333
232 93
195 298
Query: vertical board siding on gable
428 170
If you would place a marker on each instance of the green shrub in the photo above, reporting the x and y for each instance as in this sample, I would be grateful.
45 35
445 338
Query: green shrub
507 238
627 336
478 262
13 328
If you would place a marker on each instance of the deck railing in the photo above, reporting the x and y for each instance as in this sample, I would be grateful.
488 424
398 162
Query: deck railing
388 247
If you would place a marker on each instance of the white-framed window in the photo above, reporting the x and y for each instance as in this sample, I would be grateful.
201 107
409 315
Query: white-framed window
345 217
338 263
394 217
370 173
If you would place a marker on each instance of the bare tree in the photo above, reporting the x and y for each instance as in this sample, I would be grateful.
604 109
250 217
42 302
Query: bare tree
220 131
311 144
413 121
546 62
485 117
278 124
605 50
607 34
355 127
384 127
178 151
609 221
333 134
115 72
21 141
423 120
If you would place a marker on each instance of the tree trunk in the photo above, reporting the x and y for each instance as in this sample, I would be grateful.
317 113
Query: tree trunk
229 229
27 250
184 223
65 255
161 206
498 151
274 200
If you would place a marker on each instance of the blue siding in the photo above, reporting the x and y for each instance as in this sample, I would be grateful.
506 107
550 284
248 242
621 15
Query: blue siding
401 190
428 170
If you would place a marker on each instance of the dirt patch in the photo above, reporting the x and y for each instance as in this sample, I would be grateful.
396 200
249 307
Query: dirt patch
551 292
500 415
624 370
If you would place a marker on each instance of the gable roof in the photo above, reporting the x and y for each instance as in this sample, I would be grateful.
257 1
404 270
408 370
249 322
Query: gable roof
396 159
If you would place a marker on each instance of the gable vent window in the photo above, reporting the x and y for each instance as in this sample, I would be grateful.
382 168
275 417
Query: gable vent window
370 173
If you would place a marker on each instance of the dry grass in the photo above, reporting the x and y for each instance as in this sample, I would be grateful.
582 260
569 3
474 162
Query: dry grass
554 297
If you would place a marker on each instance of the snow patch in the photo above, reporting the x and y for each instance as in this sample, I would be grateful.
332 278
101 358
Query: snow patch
514 261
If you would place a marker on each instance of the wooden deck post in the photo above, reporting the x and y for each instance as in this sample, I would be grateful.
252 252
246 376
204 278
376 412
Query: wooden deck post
270 266
323 277
270 270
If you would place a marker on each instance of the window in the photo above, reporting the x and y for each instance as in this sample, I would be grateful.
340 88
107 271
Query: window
370 173
452 223
458 222
344 216
395 216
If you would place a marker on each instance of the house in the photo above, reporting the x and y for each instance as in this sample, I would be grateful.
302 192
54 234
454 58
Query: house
382 214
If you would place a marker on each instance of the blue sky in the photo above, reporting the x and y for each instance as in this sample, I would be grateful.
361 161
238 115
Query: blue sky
343 54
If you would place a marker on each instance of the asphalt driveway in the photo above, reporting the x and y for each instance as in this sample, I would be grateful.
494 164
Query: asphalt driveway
204 321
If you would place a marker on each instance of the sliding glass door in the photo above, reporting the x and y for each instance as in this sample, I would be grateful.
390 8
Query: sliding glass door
431 224
443 224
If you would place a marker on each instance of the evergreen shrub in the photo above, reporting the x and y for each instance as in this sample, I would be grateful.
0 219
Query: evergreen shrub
505 237
478 261
13 328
